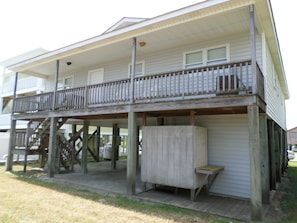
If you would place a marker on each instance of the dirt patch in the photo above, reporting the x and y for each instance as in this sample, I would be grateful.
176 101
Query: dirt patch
275 212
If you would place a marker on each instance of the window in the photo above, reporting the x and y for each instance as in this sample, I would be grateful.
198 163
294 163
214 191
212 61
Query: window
65 83
216 56
205 57
194 60
139 69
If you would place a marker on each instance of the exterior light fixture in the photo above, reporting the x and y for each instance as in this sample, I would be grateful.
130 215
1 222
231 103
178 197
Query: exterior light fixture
142 44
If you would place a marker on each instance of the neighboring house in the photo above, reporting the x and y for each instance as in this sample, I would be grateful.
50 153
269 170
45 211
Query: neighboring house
27 85
292 136
215 64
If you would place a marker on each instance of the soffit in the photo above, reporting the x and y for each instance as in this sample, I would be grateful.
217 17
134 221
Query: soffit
227 23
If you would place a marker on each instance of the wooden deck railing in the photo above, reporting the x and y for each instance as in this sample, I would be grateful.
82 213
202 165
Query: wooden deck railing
211 81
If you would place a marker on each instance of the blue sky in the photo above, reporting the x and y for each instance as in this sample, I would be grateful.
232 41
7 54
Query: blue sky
51 24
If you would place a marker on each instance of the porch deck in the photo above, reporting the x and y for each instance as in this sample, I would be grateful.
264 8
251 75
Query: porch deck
177 86
102 179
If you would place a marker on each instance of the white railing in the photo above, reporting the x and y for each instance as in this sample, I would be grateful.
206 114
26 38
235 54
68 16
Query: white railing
212 81
24 85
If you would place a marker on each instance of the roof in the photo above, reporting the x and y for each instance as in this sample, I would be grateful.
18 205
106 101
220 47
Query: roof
124 22
128 28
292 129
28 55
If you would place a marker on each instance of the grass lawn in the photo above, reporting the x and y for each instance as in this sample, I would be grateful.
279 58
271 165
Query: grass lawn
24 198
289 200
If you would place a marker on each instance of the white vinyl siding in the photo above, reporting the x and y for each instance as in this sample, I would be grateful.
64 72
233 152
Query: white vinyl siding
162 61
228 146
275 107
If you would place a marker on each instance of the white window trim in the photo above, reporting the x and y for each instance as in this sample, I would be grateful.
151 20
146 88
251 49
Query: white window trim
64 78
204 54
137 62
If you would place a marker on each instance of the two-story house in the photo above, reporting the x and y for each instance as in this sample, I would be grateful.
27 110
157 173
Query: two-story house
216 64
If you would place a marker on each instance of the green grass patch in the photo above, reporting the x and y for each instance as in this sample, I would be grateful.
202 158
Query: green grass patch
289 201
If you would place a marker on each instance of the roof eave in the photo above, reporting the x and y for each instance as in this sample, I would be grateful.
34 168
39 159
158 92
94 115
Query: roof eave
147 26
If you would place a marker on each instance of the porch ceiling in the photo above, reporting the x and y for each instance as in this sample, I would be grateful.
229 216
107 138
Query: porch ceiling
228 23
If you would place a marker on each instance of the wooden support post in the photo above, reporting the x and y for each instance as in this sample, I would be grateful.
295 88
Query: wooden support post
26 149
160 121
9 160
131 159
264 159
56 84
271 144
283 150
98 142
133 64
73 147
137 147
255 163
115 146
52 148
253 50
277 153
84 156
285 147
192 117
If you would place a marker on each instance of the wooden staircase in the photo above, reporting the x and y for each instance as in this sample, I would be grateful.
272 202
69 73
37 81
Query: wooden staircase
34 140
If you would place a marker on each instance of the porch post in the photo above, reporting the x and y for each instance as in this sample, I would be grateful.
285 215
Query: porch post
73 155
56 84
98 142
264 159
115 147
255 163
84 157
277 153
9 161
133 62
131 158
271 141
131 150
52 147
253 49
1 84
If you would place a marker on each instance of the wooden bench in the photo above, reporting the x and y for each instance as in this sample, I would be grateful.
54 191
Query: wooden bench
210 173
